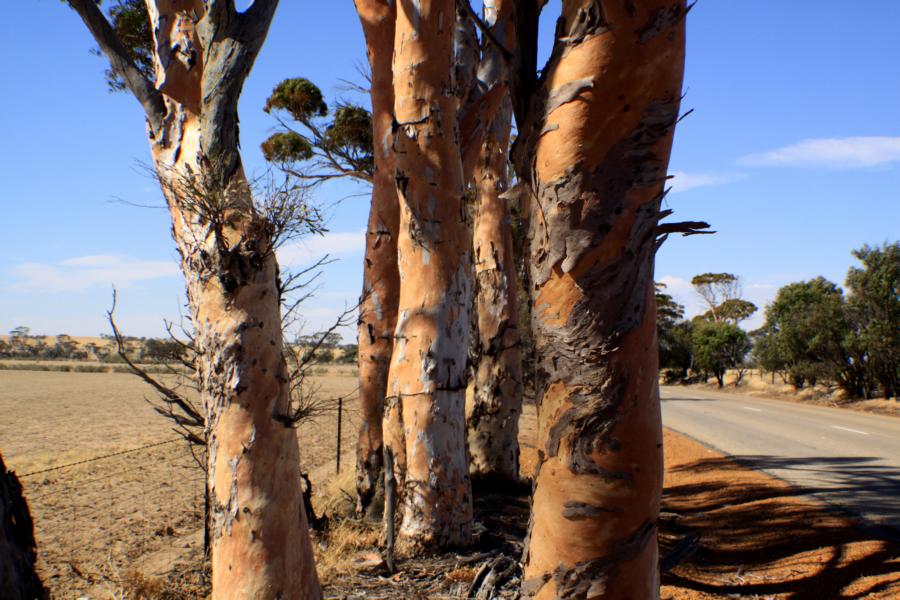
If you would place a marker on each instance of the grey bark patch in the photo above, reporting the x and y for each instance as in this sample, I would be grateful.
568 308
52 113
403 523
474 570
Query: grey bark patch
576 217
588 21
567 93
630 8
580 511
588 579
663 19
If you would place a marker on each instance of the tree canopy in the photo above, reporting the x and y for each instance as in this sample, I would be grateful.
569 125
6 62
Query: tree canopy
874 302
719 346
722 294
316 143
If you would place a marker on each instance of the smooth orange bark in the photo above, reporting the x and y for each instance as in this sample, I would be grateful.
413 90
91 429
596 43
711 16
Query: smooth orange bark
600 143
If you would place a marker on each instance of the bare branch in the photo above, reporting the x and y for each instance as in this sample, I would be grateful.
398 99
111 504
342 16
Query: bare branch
170 396
306 402
685 228
254 22
120 61
485 30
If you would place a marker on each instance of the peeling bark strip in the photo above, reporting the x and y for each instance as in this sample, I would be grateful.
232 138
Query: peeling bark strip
492 413
381 279
424 420
596 148
260 546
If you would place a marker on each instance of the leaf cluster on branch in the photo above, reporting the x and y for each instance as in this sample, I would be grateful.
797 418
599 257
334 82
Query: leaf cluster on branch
315 143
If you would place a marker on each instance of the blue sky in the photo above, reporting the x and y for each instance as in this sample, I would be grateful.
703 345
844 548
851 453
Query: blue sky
792 153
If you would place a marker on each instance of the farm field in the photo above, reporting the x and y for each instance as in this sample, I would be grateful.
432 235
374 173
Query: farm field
130 505
120 526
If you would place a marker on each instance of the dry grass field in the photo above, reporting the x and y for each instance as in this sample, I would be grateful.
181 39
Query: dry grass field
130 505
764 385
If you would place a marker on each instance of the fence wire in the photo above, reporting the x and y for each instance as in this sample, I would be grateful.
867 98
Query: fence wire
109 521
106 523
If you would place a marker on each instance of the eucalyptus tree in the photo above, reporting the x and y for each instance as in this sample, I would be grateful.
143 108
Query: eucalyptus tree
480 89
381 277
492 412
424 427
722 294
187 78
595 135
319 145
874 307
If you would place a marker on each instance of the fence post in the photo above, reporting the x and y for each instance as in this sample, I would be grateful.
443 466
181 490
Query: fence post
338 458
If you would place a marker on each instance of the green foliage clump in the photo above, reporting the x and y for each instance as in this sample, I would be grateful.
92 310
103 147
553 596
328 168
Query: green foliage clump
719 346
734 310
804 332
351 128
298 96
287 147
722 293
674 335
316 145
130 21
814 332
874 304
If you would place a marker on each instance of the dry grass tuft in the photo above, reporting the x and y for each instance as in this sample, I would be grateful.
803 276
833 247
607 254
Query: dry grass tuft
186 580
335 497
462 574
138 586
341 546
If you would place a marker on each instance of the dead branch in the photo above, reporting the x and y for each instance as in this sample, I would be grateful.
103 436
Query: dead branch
485 30
685 228
191 417
306 402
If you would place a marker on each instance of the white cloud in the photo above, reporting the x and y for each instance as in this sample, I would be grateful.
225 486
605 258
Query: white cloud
683 293
96 260
682 182
835 153
82 272
314 248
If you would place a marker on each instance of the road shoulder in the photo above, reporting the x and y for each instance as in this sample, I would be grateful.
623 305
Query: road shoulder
879 407
758 535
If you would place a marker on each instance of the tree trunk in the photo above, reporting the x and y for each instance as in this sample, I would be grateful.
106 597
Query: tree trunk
425 417
492 412
260 546
18 552
599 143
381 279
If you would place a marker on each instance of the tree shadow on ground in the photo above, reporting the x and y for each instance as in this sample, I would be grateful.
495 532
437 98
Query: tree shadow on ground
759 536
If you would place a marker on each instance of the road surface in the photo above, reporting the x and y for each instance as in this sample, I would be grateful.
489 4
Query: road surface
848 459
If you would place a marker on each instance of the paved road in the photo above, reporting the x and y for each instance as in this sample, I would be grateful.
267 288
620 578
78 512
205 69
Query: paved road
848 459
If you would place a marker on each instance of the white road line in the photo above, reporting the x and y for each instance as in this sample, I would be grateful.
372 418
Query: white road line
753 409
850 430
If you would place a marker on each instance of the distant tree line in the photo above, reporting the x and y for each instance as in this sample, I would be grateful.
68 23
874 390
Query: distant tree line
814 333
21 344
709 344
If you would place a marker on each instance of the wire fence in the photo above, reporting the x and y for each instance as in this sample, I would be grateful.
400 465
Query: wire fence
105 524
107 521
